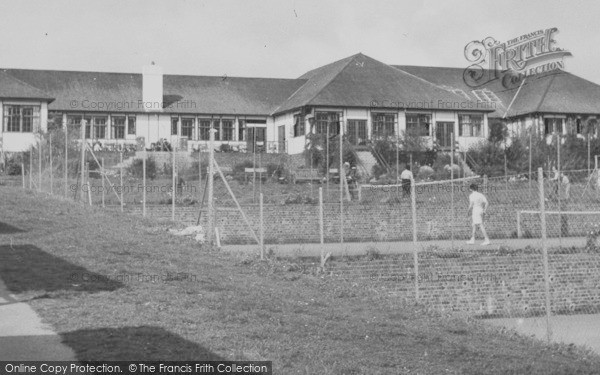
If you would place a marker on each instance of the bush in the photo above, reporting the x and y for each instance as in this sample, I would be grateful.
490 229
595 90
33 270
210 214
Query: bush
238 170
136 168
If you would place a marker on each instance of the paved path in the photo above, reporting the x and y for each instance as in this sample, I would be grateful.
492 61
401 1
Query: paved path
360 248
24 337
581 330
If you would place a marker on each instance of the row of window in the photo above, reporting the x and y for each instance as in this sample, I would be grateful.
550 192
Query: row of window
95 126
383 125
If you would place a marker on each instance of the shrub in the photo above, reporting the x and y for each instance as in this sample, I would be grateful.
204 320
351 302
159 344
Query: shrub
136 168
238 170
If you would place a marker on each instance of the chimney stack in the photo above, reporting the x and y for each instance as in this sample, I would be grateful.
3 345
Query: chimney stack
152 88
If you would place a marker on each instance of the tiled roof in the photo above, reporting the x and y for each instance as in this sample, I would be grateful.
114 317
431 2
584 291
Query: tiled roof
360 81
12 88
80 91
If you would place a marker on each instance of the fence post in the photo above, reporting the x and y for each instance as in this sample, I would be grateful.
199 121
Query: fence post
102 178
342 179
174 185
485 183
211 173
82 170
413 199
321 229
66 171
452 191
359 192
545 252
30 167
23 173
121 177
51 166
87 180
519 231
262 229
144 184
40 165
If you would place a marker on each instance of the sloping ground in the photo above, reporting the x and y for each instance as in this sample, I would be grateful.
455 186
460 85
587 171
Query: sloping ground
119 288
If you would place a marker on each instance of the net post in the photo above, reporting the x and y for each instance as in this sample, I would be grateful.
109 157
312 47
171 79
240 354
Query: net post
210 177
31 169
23 173
413 200
519 230
87 181
452 190
544 252
66 171
82 166
360 193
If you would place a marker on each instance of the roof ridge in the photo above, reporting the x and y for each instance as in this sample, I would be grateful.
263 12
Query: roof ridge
350 58
537 108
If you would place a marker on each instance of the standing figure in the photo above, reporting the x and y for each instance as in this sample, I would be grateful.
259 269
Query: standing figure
478 204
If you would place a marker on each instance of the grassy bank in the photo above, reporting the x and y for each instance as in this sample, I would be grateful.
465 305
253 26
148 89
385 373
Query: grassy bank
120 288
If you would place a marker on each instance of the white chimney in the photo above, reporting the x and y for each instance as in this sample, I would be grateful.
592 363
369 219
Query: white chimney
152 87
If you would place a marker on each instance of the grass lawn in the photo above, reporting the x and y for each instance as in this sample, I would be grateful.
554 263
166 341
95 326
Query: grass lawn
99 279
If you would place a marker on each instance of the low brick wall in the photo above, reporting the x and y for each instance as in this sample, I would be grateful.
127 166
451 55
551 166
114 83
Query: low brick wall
508 285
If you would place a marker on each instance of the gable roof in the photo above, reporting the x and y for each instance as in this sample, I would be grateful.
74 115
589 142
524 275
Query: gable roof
551 92
360 81
186 94
12 88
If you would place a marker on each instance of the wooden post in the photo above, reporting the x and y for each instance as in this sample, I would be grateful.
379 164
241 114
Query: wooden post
87 180
559 183
40 165
66 171
144 184
174 184
360 193
452 218
530 177
519 231
102 178
545 252
589 155
321 227
51 165
200 173
82 166
121 177
342 178
262 229
30 167
505 173
23 174
413 199
211 173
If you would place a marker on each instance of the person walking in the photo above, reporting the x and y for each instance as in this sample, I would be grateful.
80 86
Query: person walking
478 204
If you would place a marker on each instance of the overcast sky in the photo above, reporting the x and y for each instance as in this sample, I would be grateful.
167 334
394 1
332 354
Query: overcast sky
279 38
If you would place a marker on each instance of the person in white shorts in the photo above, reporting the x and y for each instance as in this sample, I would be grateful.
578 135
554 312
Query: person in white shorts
478 204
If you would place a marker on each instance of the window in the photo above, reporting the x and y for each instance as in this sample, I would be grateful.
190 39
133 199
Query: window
227 134
187 128
204 129
553 125
131 125
418 124
75 121
592 127
327 123
118 127
470 125
383 125
299 129
357 131
99 127
174 123
486 95
217 127
23 119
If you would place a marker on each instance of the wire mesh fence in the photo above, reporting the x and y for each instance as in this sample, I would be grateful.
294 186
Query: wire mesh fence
543 261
